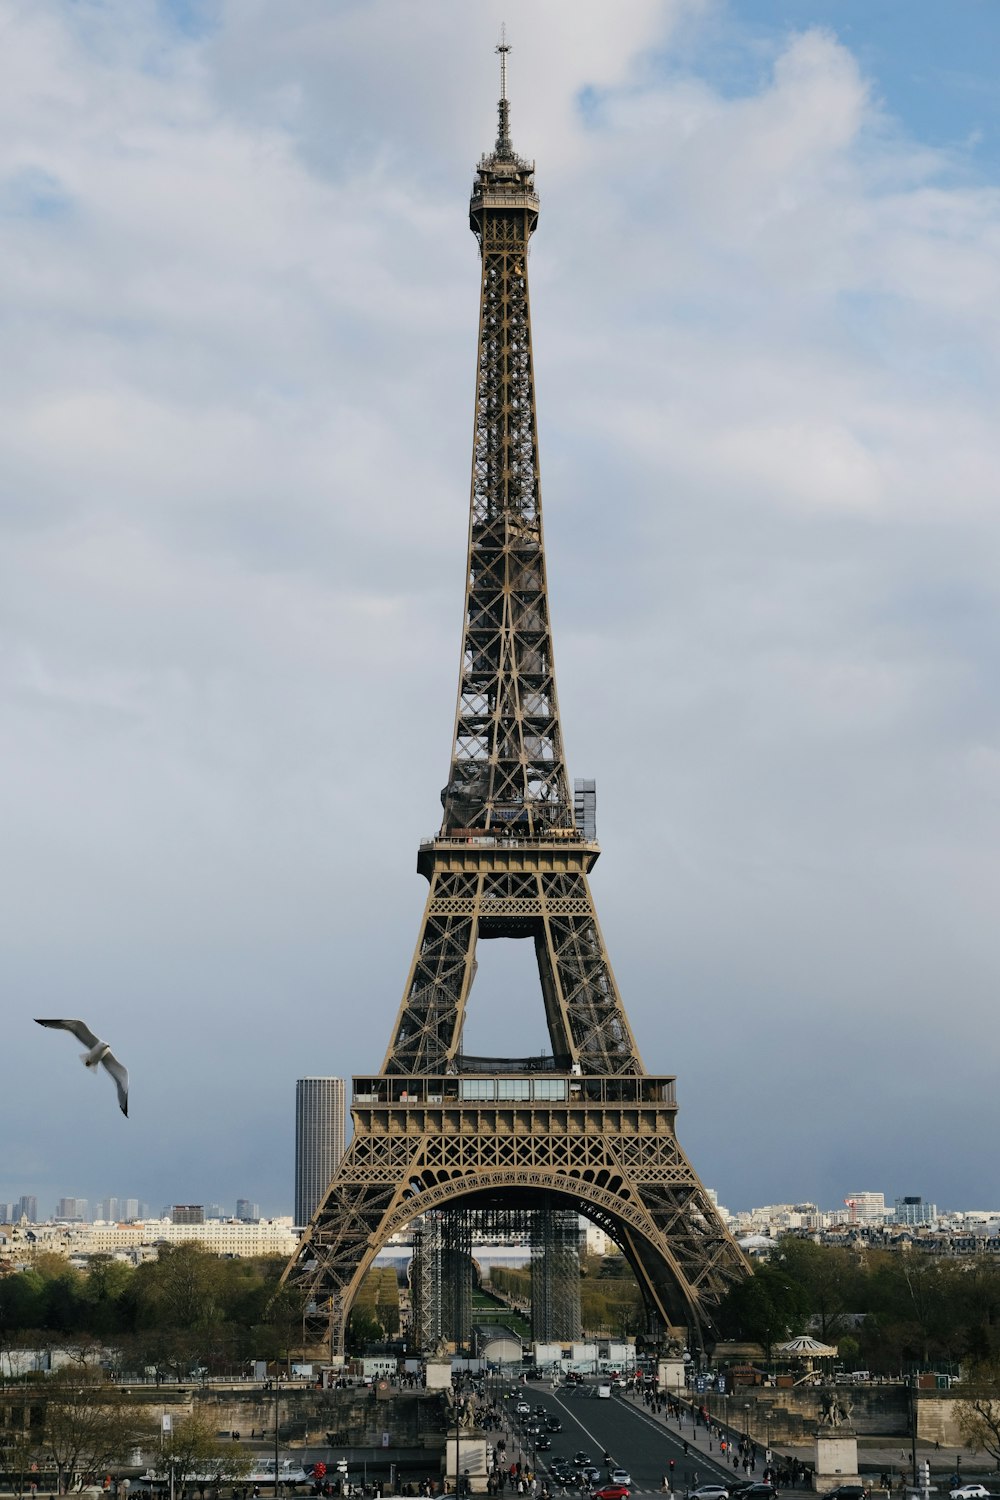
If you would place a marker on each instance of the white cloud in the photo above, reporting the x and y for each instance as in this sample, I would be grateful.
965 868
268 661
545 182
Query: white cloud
239 305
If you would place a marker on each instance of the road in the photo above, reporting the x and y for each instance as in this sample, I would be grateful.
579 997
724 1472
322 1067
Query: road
640 1442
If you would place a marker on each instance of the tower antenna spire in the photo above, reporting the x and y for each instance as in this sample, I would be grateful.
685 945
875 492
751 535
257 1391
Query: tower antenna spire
504 146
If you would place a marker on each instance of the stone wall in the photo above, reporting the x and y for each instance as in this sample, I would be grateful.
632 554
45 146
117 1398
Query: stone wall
937 1417
792 1416
353 1417
876 1411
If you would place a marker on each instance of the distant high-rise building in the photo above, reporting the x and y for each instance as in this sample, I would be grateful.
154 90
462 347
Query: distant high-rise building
915 1211
247 1210
71 1208
130 1208
27 1208
7 1212
320 1129
866 1208
107 1209
215 1211
187 1213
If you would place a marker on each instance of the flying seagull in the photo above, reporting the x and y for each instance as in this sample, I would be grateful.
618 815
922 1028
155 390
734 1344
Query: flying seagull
98 1052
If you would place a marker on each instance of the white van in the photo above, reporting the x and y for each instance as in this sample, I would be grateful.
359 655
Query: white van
604 1391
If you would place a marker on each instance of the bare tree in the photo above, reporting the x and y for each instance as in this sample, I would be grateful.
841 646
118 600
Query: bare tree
979 1413
89 1426
193 1450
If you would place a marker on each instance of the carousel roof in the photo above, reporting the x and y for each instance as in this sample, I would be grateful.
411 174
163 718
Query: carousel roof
805 1345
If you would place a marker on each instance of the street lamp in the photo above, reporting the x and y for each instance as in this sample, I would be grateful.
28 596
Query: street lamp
746 1408
276 1395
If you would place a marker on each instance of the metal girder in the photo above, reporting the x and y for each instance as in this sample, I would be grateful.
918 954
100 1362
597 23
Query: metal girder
587 1024
424 1146
555 1275
594 1133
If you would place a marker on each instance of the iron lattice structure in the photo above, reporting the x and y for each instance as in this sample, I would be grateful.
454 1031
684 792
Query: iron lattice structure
555 1276
443 1270
586 1129
441 1278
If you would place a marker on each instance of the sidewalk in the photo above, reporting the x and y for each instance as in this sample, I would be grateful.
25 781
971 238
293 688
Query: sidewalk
876 1455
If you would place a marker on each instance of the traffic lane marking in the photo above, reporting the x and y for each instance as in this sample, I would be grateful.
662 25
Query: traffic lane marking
664 1431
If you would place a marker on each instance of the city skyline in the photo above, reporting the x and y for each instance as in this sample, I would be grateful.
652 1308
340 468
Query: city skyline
240 291
907 1207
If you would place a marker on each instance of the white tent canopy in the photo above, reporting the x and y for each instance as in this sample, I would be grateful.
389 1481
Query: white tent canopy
806 1347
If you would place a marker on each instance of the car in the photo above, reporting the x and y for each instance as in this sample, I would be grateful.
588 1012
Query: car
553 1424
709 1492
850 1492
611 1492
522 1408
580 1458
544 1443
762 1491
619 1476
969 1492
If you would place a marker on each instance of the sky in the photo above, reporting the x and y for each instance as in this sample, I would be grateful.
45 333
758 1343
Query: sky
239 296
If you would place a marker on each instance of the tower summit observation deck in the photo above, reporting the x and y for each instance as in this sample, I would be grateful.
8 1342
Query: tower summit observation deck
585 1128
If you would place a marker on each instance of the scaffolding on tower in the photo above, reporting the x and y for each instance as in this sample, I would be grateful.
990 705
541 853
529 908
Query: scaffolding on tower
555 1276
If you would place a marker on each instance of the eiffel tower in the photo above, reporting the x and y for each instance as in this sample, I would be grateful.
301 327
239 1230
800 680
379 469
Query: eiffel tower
586 1128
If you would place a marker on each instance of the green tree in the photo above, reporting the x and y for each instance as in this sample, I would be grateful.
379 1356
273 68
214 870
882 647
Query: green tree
362 1329
769 1307
105 1305
182 1288
829 1276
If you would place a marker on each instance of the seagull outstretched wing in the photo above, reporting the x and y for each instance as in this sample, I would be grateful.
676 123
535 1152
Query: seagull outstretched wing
99 1051
81 1031
120 1074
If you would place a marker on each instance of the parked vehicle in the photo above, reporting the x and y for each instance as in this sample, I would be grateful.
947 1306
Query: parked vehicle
969 1492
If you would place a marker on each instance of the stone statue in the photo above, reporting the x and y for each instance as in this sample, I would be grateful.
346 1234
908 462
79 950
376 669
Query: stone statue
835 1409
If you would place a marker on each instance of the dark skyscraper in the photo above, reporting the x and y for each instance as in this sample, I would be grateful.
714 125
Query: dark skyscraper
320 1126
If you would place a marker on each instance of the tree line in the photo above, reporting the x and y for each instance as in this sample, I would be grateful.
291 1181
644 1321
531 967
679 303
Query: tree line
186 1310
889 1311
